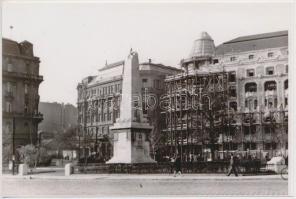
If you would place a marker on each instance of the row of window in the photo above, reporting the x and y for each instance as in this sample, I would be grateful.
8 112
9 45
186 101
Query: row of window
103 130
100 104
253 103
251 73
247 130
270 103
11 86
101 117
10 66
117 88
267 146
105 90
251 56
268 71
268 86
9 109
156 83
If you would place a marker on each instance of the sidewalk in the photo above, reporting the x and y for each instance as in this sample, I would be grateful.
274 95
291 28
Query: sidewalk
60 176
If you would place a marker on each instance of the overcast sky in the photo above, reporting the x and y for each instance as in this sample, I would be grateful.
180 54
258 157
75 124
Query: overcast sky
73 40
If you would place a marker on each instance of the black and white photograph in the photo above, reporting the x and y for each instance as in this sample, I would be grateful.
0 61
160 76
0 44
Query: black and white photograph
147 99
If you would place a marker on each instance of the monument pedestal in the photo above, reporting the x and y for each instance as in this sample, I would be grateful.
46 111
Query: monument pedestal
131 145
131 130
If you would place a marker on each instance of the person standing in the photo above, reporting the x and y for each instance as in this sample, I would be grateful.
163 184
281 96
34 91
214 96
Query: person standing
172 162
177 166
232 168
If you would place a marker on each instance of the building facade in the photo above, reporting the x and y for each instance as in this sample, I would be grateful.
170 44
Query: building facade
20 96
57 117
249 77
99 99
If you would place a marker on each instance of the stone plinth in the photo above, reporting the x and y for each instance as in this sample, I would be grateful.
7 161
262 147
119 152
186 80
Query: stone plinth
131 130
68 169
131 146
23 169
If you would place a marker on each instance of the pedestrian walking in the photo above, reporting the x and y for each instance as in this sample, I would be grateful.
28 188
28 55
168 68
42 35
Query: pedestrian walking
172 162
177 166
232 168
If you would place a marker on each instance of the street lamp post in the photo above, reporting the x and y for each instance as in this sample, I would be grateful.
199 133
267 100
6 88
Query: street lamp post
13 144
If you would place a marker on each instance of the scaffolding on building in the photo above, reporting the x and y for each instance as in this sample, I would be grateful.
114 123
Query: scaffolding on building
201 123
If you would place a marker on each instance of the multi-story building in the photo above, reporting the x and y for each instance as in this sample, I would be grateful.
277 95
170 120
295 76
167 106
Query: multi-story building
249 75
57 117
20 98
99 99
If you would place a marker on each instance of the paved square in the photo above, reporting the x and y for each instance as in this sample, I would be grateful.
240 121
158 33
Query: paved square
105 186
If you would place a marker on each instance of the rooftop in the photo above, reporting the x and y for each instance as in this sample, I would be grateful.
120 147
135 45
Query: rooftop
254 42
112 65
120 63
11 47
161 66
203 46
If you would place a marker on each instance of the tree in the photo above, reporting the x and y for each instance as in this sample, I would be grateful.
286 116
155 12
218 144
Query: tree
155 135
32 156
64 140
6 144
28 154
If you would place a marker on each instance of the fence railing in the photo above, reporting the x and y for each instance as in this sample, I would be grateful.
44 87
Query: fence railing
168 167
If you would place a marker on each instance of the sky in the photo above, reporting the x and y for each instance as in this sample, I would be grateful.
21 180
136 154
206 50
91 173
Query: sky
74 40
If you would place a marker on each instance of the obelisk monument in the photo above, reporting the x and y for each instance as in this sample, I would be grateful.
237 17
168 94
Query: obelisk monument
131 131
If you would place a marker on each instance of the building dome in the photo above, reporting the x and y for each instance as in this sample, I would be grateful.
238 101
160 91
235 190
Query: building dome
203 46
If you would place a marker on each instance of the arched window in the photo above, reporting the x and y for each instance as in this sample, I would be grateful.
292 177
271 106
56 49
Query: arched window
269 86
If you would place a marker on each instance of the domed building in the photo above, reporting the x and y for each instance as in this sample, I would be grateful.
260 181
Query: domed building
230 98
203 47
201 54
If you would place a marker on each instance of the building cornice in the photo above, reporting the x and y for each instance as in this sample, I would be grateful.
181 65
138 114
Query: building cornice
25 76
35 59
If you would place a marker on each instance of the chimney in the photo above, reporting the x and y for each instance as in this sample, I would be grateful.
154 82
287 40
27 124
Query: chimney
149 61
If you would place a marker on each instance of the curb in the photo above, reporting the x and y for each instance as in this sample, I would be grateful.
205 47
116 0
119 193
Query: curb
104 177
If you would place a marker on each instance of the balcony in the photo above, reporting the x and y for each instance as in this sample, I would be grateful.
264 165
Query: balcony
22 76
250 94
37 116
270 93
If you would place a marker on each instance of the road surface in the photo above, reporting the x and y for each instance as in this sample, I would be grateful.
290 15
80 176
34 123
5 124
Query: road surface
141 187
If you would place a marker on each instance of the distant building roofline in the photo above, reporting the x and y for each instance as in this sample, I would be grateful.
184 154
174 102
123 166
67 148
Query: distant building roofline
112 65
253 42
161 66
258 36
119 63
11 40
7 39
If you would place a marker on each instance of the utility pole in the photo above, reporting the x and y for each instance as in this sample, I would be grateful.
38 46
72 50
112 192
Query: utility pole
13 144
78 131
84 126
96 141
